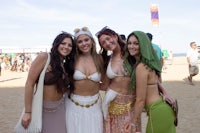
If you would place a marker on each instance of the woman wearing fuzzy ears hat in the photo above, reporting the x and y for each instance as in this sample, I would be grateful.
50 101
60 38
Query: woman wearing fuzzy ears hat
83 105
145 68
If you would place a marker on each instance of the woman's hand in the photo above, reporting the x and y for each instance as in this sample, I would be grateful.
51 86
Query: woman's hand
26 119
164 94
133 128
168 98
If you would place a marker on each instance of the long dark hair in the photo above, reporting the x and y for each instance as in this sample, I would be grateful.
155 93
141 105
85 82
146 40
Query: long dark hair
131 59
64 79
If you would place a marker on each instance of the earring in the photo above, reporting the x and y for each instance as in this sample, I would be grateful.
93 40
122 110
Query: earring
64 60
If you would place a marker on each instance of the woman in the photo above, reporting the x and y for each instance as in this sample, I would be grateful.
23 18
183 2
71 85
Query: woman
57 81
119 98
145 79
83 105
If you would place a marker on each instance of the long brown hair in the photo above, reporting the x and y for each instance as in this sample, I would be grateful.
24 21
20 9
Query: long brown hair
104 52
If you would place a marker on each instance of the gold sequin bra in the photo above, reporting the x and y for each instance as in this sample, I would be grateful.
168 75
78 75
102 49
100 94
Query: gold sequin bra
84 105
118 108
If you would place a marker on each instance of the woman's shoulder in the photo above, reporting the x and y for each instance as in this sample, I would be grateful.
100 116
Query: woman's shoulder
142 66
38 63
41 57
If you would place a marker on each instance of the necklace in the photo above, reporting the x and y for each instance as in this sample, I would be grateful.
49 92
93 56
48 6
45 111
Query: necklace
64 61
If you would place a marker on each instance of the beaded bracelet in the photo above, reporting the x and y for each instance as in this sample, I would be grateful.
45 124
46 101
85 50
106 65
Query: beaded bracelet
133 125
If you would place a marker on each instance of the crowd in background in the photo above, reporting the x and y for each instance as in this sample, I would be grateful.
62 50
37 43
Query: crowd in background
16 62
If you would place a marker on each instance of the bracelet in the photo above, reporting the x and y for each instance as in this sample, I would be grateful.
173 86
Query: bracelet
133 125
28 112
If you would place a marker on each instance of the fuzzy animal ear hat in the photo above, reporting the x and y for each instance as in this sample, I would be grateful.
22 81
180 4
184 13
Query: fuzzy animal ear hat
82 31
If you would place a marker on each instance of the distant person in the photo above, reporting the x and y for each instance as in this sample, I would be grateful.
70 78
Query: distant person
192 59
170 57
123 37
156 48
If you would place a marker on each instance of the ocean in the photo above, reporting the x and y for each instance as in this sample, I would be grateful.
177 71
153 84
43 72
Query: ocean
179 54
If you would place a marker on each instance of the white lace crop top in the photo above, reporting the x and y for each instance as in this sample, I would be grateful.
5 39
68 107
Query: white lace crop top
78 75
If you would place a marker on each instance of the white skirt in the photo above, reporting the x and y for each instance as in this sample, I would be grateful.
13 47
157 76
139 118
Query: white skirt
81 119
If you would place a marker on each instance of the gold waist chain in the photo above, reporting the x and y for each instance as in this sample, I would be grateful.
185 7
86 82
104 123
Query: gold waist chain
119 109
82 105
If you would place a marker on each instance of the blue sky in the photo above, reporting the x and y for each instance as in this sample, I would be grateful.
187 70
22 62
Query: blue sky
35 23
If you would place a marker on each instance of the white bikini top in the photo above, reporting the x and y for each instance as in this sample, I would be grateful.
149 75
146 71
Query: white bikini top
78 75
109 72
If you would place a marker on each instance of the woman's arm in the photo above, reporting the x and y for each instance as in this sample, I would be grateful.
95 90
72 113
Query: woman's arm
34 72
164 94
141 90
161 89
104 83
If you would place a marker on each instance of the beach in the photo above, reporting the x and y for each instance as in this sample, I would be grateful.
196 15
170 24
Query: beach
174 79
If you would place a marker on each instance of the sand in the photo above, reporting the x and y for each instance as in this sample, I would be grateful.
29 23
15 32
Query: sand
174 80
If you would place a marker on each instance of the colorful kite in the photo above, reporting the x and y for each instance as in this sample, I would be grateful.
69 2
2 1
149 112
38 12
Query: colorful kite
154 14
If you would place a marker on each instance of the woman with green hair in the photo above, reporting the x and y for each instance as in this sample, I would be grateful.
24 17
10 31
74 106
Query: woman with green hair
143 64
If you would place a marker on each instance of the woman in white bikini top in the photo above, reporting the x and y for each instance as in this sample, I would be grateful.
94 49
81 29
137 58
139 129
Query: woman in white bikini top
118 100
83 106
78 75
111 74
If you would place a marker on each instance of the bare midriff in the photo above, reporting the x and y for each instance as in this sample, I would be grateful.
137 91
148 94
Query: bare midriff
120 84
86 87
50 93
